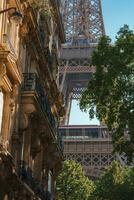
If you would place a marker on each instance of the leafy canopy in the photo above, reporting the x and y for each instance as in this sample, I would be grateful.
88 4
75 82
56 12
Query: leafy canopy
116 183
111 89
72 184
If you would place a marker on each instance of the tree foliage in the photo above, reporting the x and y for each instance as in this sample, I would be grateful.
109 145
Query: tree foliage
111 89
72 184
116 183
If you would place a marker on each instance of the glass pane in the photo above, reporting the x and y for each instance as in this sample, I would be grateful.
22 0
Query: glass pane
1 108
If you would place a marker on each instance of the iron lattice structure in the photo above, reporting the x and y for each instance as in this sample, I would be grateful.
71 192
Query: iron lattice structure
83 23
83 17
90 146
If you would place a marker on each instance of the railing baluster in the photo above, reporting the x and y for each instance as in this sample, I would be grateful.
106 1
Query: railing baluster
32 83
25 173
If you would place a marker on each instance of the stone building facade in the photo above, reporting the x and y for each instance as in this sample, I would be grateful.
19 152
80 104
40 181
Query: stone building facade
31 105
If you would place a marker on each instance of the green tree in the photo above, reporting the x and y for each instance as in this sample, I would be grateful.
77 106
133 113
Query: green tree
72 184
111 89
116 183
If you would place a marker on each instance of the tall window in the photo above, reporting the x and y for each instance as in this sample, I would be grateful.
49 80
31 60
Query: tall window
1 109
12 37
49 181
1 18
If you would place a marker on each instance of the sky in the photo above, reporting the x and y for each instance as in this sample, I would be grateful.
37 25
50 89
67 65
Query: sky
116 13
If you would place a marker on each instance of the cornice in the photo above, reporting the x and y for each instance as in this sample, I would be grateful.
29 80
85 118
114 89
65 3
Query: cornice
13 68
11 65
4 80
6 84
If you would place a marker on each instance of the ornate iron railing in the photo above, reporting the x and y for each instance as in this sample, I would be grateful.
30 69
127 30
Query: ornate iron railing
41 36
60 140
32 83
26 175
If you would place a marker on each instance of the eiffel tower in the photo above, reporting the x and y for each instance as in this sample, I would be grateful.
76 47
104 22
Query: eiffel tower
83 23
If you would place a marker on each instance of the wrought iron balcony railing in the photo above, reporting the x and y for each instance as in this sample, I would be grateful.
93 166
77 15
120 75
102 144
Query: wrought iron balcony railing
60 140
26 175
32 83
42 37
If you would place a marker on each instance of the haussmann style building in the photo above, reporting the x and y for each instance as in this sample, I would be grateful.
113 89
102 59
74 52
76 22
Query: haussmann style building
31 104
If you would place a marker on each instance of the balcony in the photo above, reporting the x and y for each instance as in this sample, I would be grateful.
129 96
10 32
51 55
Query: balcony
26 175
33 84
9 57
85 132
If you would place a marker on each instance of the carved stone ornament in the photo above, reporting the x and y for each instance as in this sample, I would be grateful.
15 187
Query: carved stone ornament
24 117
23 121
2 72
29 108
23 31
13 97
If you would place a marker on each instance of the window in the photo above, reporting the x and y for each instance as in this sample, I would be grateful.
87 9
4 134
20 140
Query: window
49 181
1 109
91 132
75 132
1 18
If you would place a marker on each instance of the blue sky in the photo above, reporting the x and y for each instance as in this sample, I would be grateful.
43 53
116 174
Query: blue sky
116 13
